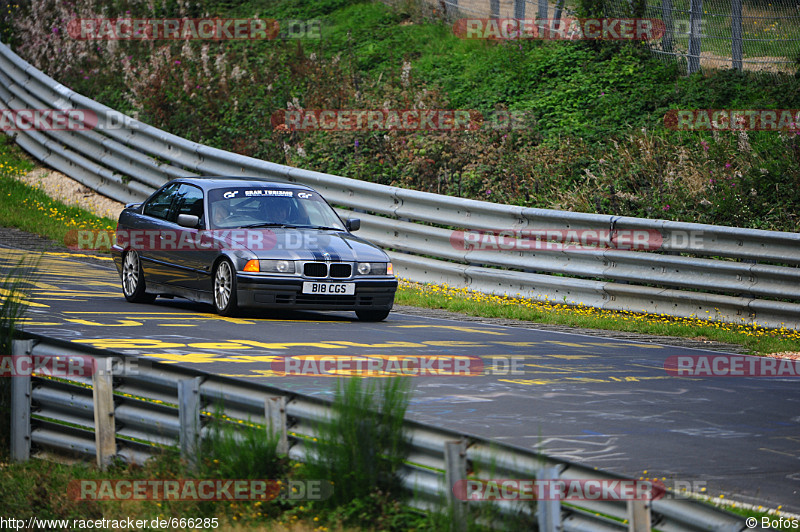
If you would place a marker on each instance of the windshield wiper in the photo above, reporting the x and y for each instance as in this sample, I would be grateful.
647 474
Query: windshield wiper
320 227
268 224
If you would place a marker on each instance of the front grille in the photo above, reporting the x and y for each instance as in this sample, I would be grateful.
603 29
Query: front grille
338 270
315 269
341 270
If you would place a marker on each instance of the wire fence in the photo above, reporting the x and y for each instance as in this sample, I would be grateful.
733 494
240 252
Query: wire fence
758 35
754 35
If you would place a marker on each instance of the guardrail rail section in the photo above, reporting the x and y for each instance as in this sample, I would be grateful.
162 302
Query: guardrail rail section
720 273
132 413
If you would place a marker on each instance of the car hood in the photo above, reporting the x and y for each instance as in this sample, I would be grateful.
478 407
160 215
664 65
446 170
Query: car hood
311 245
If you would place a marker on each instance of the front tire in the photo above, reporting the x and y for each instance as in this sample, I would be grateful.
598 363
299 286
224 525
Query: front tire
133 283
225 302
372 315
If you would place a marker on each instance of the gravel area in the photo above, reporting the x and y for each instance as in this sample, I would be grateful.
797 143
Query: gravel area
67 190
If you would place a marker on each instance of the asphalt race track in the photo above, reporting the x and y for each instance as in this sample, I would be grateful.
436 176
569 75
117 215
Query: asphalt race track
602 402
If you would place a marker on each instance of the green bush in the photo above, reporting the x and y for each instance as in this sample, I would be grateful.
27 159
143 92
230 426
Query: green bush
362 446
594 139
232 450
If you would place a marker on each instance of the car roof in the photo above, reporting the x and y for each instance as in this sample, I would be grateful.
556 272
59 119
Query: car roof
212 182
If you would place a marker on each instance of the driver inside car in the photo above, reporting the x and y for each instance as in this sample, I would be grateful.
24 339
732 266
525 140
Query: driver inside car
222 213
279 211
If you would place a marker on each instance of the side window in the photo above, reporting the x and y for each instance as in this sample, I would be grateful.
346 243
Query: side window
189 201
158 206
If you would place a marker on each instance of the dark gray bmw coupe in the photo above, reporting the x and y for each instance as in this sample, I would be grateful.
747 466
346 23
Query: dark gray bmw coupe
246 242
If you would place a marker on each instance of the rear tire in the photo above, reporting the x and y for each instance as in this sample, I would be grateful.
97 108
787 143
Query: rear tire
372 315
133 283
225 302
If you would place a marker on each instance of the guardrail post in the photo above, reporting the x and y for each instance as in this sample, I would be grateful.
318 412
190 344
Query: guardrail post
275 410
105 434
695 20
455 464
548 513
21 406
639 516
189 417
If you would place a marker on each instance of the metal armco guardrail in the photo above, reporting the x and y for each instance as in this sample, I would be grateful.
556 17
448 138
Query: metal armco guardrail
130 407
720 273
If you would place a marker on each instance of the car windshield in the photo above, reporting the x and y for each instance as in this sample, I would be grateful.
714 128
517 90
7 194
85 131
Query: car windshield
234 207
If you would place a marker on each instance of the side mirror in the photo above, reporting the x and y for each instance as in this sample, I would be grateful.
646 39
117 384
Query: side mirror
353 224
188 220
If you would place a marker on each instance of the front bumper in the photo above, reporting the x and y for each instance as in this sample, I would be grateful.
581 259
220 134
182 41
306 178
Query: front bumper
261 292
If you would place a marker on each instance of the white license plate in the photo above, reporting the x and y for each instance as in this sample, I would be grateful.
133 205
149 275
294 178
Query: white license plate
330 289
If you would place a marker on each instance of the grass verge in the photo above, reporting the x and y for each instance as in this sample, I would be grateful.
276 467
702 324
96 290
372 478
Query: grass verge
759 340
31 209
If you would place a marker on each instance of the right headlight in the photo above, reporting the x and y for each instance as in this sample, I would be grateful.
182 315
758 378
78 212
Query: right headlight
277 266
374 268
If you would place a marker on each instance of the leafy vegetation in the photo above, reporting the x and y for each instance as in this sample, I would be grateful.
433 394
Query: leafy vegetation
593 138
363 444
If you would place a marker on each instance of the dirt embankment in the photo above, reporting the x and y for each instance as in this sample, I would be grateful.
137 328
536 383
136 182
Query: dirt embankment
67 190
